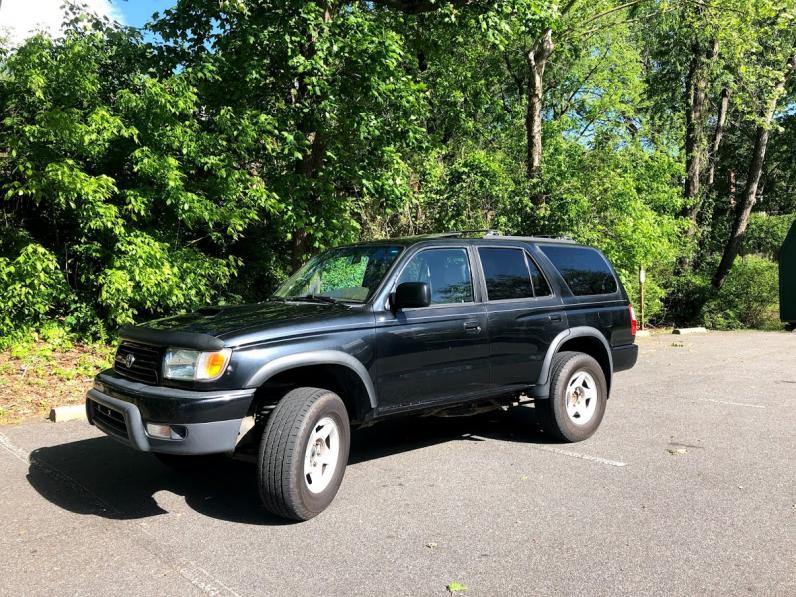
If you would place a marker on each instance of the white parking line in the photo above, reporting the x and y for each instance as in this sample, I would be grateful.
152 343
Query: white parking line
732 403
588 457
6 443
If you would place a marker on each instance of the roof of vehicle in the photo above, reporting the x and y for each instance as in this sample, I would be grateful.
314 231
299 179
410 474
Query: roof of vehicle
469 235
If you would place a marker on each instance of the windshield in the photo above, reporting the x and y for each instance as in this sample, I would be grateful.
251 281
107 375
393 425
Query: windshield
349 274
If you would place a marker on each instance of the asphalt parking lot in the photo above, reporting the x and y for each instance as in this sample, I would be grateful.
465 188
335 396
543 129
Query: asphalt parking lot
688 488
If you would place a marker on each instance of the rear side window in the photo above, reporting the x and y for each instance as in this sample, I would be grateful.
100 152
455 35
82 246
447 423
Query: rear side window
584 270
506 274
540 287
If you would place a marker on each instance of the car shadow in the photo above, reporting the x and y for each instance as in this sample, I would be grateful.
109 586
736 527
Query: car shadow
101 477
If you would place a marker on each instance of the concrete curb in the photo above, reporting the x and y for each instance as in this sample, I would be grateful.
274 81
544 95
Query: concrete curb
681 331
72 412
643 333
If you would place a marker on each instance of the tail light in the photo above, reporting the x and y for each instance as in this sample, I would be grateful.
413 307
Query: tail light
633 321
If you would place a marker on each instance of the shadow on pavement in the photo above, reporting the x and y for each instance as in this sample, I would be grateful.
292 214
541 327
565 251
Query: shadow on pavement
101 477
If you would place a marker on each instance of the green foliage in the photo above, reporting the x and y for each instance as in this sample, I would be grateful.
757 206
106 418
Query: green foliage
31 288
142 178
748 298
766 234
147 276
136 186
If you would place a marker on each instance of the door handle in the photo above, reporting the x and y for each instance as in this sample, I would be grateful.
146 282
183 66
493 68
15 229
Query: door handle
554 317
472 327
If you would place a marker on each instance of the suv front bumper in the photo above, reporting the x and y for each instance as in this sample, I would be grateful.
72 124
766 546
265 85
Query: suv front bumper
208 422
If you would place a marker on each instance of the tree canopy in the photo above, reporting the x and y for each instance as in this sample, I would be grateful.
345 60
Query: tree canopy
204 159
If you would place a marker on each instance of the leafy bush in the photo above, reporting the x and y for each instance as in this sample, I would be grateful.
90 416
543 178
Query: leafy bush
151 277
748 298
766 234
31 288
686 298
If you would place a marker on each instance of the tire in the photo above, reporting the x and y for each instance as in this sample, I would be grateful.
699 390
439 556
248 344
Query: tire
579 374
306 433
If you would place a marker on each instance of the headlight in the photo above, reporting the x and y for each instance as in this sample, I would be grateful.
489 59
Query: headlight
193 365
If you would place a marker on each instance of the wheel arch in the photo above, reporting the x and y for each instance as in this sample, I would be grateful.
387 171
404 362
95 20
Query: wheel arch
329 369
587 340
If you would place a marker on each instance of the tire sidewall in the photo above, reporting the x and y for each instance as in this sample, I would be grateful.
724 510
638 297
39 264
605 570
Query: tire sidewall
328 405
568 428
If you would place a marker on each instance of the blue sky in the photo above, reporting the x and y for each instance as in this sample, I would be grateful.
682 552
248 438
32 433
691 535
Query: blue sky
138 12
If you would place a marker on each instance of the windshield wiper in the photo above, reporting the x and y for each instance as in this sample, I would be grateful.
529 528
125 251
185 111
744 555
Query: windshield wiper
315 298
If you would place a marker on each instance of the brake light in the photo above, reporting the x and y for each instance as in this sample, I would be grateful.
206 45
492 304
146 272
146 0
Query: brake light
633 321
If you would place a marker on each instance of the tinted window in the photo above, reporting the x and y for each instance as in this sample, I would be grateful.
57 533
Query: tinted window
540 287
584 270
506 274
447 272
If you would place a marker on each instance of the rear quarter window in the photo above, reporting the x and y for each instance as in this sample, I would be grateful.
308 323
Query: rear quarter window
585 271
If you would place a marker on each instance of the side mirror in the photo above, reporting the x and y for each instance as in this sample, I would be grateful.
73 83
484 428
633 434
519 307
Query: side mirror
410 295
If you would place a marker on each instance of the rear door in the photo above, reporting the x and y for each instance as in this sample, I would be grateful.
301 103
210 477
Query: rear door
523 315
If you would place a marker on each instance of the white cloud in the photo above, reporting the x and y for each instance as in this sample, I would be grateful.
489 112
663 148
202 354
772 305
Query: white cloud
21 18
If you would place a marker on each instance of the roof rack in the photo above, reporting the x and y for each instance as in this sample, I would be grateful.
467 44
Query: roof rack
490 233
554 236
461 233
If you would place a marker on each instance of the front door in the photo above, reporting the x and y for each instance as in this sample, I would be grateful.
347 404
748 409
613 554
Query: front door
437 353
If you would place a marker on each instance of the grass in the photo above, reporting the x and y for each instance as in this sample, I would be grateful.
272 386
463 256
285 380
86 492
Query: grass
46 369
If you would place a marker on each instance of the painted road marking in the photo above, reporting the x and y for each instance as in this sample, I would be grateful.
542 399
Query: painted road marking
731 403
16 451
588 457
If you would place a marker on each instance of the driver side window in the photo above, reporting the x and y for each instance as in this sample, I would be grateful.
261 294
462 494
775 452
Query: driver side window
446 271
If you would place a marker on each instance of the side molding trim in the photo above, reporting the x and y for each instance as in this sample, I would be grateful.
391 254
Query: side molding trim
316 357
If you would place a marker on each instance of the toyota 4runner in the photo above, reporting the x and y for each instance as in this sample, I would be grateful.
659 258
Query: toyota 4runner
364 332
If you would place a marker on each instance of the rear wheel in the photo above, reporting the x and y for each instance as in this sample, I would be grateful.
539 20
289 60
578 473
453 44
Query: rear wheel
578 394
303 453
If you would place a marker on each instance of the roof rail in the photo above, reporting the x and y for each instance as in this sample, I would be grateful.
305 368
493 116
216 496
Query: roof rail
554 236
490 233
460 233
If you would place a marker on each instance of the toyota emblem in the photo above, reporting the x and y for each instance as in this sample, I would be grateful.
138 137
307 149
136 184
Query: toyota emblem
129 360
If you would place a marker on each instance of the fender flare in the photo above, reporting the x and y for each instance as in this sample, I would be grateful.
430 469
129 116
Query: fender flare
542 387
315 357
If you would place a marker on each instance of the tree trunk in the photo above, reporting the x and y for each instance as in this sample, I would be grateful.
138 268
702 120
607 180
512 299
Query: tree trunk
536 60
724 103
752 181
732 188
695 138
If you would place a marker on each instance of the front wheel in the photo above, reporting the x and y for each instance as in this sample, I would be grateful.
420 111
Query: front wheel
303 453
578 394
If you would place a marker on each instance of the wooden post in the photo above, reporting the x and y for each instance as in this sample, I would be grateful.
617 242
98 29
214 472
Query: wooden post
642 277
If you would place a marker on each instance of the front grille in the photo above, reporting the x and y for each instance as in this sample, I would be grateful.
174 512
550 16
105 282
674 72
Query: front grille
109 418
139 362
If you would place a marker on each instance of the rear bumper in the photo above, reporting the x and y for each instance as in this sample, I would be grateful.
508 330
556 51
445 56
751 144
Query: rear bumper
624 357
208 422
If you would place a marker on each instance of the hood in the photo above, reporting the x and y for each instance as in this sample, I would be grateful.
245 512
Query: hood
225 323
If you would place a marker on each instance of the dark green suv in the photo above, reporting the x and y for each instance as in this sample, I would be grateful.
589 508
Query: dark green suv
369 331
